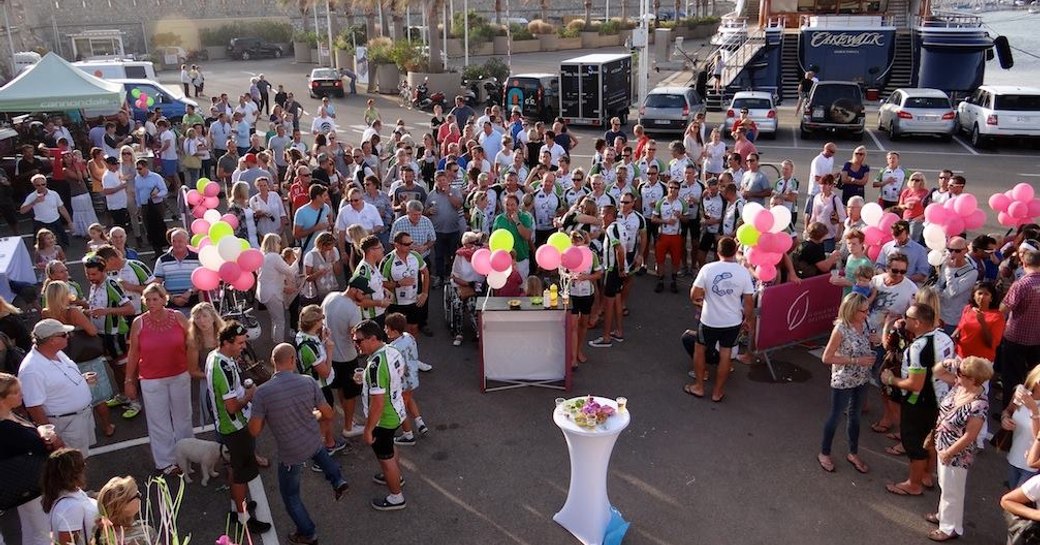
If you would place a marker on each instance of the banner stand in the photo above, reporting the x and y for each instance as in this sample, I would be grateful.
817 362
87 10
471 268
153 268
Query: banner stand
794 313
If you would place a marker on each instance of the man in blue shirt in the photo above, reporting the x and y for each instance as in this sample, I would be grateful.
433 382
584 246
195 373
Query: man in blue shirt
917 255
150 190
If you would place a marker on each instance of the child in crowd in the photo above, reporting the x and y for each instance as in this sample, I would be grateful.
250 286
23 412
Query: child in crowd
371 113
98 238
396 330
47 250
478 217
862 286
533 286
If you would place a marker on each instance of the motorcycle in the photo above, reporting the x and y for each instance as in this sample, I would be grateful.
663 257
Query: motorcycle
469 92
422 99
493 90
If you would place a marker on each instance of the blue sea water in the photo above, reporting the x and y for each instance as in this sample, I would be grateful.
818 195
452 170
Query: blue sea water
1020 29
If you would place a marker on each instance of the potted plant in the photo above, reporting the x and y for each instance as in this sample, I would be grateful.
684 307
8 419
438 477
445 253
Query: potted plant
609 33
303 42
384 72
703 27
569 37
522 39
500 43
626 26
546 34
343 51
590 34
214 41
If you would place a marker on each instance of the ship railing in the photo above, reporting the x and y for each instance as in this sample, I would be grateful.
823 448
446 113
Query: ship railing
733 21
948 20
737 59
845 21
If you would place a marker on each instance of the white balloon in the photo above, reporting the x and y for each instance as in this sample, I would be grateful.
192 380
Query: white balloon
210 258
497 279
212 216
751 210
781 218
936 257
229 248
935 245
934 237
871 213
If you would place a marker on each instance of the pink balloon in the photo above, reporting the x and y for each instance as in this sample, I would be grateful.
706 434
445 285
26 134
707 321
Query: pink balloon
205 279
887 221
771 258
949 205
1023 192
999 202
873 252
547 257
501 261
210 202
212 189
935 213
198 211
481 261
954 226
229 272
872 235
765 241
764 221
204 242
1018 210
244 282
1006 220
231 219
199 227
975 220
766 273
571 258
754 255
586 259
965 204
194 197
250 260
785 244
1034 208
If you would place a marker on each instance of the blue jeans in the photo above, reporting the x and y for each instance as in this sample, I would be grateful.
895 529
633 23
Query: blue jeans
1017 476
289 487
849 401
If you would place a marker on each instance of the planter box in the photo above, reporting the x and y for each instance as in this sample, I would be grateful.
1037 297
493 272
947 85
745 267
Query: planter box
485 49
216 52
454 47
388 78
501 45
548 42
315 59
343 58
701 32
526 46
625 35
568 43
589 40
445 82
301 52
610 41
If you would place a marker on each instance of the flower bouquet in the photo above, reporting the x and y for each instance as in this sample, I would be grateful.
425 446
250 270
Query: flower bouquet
586 412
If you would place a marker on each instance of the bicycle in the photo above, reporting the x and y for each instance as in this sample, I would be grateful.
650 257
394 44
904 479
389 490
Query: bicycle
233 306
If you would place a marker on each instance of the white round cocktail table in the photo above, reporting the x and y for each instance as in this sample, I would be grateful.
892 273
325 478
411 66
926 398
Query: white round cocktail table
587 510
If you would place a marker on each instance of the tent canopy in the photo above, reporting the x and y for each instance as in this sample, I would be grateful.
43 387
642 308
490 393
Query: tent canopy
54 85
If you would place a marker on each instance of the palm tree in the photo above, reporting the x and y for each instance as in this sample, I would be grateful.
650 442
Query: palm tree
498 12
624 10
304 7
435 11
588 13
368 8
676 7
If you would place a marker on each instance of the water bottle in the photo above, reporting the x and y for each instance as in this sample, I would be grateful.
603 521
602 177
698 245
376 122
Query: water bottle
545 298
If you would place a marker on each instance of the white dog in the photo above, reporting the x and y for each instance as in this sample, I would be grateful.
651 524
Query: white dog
204 453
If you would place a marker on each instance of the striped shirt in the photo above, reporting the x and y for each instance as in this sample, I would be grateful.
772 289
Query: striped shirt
285 403
384 374
108 294
309 351
175 274
225 383
614 236
369 281
421 233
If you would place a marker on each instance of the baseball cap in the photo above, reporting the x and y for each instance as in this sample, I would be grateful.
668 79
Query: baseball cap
250 157
111 160
45 329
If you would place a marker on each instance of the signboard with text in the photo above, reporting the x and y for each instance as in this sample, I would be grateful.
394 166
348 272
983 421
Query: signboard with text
862 56
790 313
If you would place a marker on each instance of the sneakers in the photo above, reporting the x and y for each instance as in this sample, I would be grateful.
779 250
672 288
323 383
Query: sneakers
297 539
172 470
617 338
257 526
117 401
404 441
457 341
340 490
383 504
132 410
336 447
379 478
425 367
355 431
600 343
316 468
423 430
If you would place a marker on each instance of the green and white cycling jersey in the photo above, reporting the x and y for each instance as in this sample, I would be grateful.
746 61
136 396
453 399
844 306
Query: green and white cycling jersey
225 383
368 280
617 190
585 288
573 194
108 294
310 350
691 194
384 375
545 207
785 187
650 194
614 236
677 167
604 200
136 273
396 268
670 209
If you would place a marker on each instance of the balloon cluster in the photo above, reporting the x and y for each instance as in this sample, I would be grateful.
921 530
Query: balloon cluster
1015 206
763 234
495 263
223 255
878 230
955 216
143 100
558 252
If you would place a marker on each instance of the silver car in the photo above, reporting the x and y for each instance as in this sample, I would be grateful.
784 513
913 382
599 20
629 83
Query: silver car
917 111
669 109
760 109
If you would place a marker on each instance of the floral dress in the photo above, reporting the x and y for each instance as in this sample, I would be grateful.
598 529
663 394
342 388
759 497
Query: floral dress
953 424
854 344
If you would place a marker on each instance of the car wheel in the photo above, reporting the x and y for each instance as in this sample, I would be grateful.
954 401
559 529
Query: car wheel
245 55
880 127
977 140
806 135
893 131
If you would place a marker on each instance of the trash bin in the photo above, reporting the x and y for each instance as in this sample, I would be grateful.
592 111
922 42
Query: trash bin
873 94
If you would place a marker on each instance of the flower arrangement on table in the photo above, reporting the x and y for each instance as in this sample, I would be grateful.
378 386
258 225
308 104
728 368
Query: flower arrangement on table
587 412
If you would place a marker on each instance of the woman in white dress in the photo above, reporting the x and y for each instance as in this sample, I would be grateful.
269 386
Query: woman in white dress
715 152
268 209
72 512
276 282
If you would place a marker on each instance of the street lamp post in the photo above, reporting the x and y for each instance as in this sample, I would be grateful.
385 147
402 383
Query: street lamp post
644 60
465 29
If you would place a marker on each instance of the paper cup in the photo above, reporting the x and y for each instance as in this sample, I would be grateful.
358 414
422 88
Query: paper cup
46 431
91 377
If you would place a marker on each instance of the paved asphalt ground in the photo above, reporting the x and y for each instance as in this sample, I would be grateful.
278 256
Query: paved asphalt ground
494 468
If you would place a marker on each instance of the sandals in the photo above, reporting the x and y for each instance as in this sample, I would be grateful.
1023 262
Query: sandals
858 463
110 431
894 436
825 463
939 535
932 517
878 427
898 490
688 388
896 450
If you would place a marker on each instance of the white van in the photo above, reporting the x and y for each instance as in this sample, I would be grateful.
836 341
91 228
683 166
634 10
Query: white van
25 59
118 69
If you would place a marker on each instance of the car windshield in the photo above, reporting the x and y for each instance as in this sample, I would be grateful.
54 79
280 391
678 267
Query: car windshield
1017 103
928 102
325 74
752 103
665 101
826 94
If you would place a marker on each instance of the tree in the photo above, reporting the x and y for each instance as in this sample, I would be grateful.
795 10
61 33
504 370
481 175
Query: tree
676 7
303 6
498 12
434 16
624 10
588 14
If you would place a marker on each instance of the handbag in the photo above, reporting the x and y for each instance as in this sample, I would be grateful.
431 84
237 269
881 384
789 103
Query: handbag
1002 440
83 347
20 479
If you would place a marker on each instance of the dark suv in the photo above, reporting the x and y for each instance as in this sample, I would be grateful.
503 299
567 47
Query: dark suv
836 107
252 48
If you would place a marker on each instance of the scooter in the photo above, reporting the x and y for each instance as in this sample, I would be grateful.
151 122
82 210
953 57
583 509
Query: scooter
422 99
493 90
468 92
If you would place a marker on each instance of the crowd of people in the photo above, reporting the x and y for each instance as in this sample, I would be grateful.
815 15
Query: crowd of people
357 236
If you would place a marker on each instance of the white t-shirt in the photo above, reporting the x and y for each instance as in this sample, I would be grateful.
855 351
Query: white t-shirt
890 191
117 200
368 217
46 211
1031 488
323 125
249 112
56 385
725 284
892 299
820 166
74 512
169 140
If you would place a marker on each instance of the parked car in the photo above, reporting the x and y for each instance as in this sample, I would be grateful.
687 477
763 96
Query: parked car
252 48
1000 111
324 82
761 109
917 111
169 99
118 69
670 109
834 107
